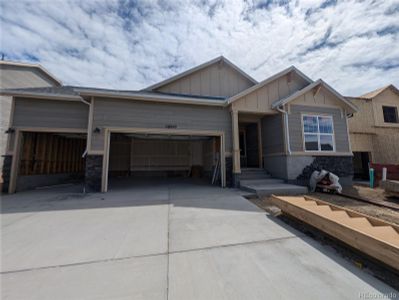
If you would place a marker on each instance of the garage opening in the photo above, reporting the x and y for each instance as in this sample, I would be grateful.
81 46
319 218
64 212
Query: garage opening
361 161
48 159
151 156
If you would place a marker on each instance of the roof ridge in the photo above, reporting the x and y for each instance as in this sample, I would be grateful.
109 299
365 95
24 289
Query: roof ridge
376 92
32 65
197 68
268 80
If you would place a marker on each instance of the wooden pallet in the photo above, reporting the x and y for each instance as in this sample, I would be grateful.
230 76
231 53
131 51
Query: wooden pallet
375 237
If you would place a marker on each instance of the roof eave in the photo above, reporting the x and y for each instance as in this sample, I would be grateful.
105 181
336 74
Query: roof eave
267 81
37 66
153 98
308 88
41 96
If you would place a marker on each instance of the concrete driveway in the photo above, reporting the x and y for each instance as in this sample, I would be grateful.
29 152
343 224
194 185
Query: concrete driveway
163 240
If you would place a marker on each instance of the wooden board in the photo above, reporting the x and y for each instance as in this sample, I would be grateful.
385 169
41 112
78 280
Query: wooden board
375 237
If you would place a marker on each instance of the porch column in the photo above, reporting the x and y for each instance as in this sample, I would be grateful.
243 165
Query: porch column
236 143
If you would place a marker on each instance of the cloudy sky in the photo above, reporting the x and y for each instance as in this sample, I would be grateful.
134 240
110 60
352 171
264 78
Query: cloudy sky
128 44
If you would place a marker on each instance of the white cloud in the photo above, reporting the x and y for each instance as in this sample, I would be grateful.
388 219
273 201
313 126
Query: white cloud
130 44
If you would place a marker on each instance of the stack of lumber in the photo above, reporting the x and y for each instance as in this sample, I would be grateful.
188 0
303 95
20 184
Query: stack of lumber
376 238
391 187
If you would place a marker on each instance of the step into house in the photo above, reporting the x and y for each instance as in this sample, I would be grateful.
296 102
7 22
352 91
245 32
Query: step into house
259 182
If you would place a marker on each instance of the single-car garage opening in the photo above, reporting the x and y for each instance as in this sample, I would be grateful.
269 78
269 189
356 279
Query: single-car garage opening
139 156
50 159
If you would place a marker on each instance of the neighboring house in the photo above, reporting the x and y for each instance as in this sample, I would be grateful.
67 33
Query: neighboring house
213 116
19 75
374 130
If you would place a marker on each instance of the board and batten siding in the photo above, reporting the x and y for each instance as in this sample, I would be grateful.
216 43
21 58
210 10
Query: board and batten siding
272 134
261 99
295 127
50 113
218 80
138 114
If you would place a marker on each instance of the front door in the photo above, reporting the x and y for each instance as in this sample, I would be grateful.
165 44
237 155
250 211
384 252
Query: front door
249 145
243 149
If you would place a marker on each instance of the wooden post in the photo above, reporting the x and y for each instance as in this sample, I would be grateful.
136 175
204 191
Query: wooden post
260 144
50 142
236 142
15 162
55 156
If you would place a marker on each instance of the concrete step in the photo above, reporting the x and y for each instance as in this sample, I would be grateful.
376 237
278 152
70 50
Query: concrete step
252 170
279 189
263 181
254 176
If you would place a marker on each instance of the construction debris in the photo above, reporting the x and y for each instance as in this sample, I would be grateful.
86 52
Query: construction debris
391 188
324 180
372 236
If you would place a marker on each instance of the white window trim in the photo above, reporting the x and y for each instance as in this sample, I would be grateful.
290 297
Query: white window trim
318 134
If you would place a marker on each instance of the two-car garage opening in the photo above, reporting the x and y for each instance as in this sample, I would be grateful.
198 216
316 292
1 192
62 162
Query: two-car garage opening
135 156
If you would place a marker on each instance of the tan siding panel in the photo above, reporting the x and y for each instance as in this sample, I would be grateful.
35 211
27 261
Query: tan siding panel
219 80
12 77
262 98
363 120
50 113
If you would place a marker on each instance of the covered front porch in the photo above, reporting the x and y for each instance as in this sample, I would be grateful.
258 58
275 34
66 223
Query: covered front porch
255 138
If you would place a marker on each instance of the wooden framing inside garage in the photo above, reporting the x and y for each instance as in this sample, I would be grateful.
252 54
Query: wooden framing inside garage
67 153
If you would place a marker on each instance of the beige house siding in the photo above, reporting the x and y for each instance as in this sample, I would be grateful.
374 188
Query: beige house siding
363 120
260 100
386 147
388 98
218 80
16 77
361 142
12 77
319 97
369 132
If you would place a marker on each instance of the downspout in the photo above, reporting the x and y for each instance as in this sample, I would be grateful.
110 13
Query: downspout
87 141
287 132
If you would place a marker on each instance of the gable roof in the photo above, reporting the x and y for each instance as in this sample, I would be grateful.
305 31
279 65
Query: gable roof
376 92
39 67
200 67
268 80
308 88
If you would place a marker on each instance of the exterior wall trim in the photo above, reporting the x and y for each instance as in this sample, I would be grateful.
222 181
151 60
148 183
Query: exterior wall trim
303 132
310 153
48 129
15 162
10 125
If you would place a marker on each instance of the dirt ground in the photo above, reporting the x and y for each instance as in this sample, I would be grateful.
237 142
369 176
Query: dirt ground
384 213
377 195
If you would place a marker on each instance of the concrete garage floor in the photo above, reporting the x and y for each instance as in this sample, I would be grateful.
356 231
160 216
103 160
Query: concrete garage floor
164 240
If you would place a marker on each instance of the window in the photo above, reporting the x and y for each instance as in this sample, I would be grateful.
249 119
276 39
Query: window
390 114
318 133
